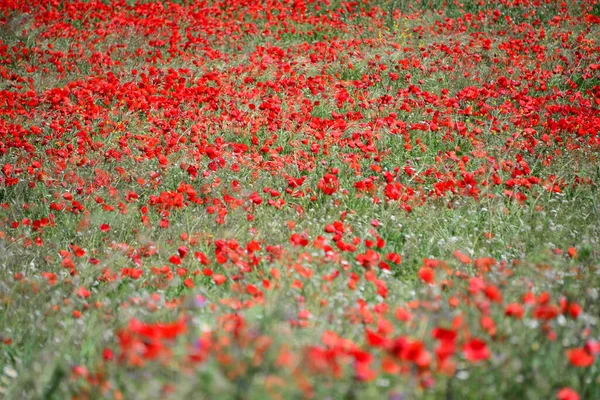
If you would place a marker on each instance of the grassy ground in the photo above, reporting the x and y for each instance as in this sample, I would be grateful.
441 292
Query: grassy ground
299 200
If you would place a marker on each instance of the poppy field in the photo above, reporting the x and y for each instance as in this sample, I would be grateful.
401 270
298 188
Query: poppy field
292 199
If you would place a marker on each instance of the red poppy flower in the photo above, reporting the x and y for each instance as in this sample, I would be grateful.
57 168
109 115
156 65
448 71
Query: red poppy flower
83 292
427 275
219 279
514 310
463 258
476 350
580 357
567 394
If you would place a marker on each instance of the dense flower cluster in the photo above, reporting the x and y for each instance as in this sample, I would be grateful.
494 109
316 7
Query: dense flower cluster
343 199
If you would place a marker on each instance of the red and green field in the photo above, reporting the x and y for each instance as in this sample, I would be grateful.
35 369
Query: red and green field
246 199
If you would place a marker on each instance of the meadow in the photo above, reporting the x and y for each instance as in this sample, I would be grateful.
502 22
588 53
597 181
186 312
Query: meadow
279 199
